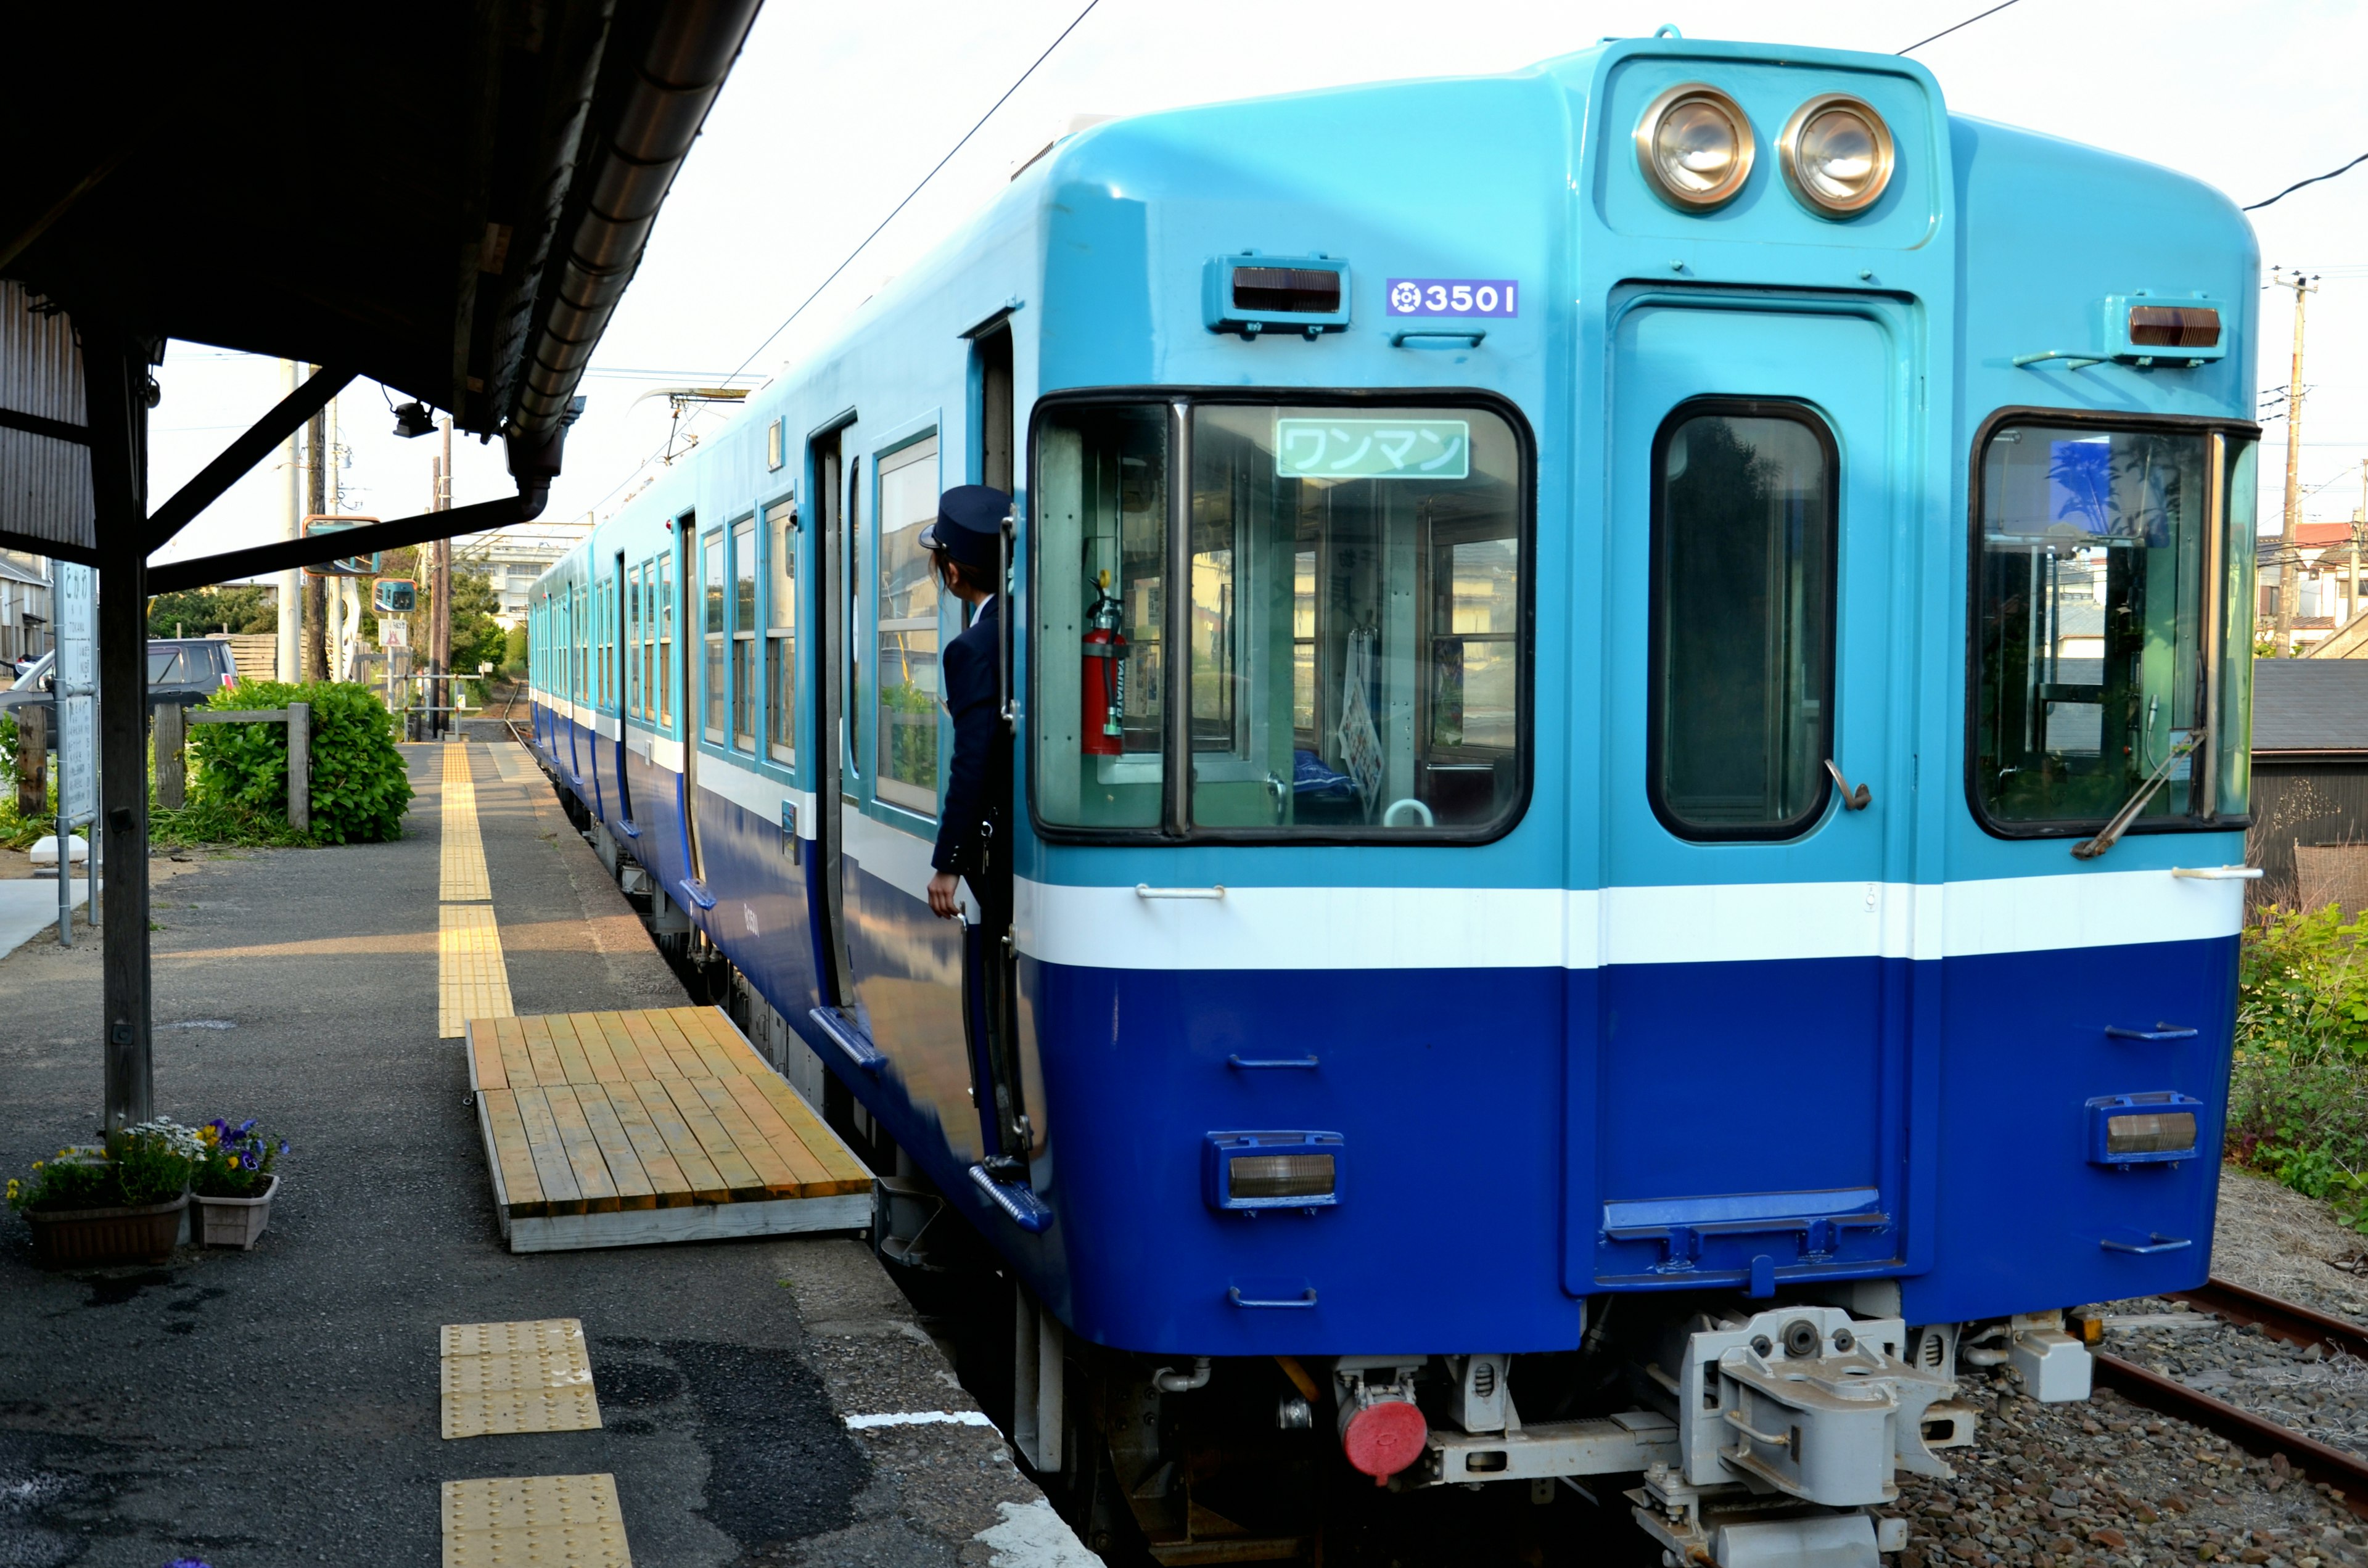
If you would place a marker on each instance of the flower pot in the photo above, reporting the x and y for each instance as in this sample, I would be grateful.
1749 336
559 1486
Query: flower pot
64 1238
237 1222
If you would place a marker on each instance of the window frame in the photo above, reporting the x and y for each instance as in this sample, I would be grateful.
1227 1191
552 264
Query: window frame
887 459
2216 512
741 540
1177 672
713 555
780 527
1806 415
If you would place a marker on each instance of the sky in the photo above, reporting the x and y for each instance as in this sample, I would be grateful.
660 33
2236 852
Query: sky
832 114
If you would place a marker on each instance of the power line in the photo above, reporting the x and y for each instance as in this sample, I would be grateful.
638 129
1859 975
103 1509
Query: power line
2298 184
925 178
1944 32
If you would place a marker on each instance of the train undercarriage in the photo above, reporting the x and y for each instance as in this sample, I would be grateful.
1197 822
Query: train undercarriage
1742 1435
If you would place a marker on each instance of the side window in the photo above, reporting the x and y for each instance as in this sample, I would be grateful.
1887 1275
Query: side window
711 631
744 634
1742 683
1100 536
663 655
1352 623
781 631
906 720
634 685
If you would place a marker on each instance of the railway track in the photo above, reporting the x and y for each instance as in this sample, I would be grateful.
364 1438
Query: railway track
2345 1472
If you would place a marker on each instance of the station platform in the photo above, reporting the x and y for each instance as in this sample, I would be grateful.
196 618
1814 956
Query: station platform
766 1400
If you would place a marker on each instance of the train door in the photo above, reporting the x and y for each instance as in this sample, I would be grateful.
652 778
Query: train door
621 630
690 651
827 908
990 962
1746 1109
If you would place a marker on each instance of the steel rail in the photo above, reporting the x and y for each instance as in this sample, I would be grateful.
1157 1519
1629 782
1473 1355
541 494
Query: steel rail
2345 1472
2295 1324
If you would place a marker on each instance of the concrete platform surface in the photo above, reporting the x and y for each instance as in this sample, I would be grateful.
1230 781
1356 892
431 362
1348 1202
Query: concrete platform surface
29 905
278 1407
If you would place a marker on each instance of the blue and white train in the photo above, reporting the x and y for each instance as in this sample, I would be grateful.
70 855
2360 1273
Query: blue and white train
1631 686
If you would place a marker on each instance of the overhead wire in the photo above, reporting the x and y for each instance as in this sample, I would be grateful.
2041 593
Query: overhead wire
1944 32
2298 184
925 178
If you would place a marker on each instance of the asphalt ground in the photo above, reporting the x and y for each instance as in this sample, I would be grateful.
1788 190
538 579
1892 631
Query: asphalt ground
254 1410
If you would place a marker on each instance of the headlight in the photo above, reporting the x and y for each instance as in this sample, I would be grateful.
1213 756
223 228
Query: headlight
1837 154
1695 145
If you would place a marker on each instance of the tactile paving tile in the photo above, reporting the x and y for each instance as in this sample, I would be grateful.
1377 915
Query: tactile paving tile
553 1336
532 1520
502 1377
462 863
473 979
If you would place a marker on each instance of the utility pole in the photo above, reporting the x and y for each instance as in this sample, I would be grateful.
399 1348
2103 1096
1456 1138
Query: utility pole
291 523
316 589
442 628
2289 577
2359 519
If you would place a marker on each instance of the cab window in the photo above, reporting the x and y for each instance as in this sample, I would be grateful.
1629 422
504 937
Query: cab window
2109 580
1345 657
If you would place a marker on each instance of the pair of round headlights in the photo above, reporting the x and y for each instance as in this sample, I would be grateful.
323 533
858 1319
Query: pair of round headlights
1696 147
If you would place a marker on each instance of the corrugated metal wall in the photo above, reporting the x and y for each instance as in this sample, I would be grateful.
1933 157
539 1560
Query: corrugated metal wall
45 495
2301 803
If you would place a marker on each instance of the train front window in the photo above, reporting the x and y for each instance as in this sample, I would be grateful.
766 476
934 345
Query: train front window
1351 623
2098 620
1743 619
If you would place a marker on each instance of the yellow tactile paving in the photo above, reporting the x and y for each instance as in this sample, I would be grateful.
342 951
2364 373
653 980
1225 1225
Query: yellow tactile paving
534 1520
472 980
517 1377
556 1337
659 1109
462 879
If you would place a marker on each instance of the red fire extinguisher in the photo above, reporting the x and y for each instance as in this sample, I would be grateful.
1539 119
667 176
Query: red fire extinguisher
1102 709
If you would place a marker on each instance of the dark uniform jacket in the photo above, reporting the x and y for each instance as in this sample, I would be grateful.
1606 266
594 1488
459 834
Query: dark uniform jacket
978 784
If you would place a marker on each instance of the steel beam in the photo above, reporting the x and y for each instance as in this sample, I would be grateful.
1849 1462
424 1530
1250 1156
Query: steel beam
242 454
167 577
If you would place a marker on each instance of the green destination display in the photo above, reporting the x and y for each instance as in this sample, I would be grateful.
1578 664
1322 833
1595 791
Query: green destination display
1373 448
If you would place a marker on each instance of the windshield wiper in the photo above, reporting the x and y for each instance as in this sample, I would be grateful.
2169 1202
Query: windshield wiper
2088 849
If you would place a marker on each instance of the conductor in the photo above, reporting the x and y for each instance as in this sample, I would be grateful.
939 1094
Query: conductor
965 546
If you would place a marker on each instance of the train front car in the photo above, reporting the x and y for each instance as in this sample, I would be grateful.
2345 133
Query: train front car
1634 718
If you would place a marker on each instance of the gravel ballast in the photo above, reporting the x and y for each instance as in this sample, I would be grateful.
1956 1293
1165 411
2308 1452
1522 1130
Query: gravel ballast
2108 1484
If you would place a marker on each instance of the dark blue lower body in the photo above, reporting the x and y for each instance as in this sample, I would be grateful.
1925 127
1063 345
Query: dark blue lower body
1924 1122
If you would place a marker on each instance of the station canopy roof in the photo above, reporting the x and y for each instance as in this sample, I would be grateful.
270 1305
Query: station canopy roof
446 197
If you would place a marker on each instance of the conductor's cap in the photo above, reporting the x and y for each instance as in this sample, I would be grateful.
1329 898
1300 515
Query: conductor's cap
970 523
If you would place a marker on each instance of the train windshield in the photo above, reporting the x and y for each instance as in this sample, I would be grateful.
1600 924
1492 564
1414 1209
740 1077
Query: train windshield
1352 623
2113 608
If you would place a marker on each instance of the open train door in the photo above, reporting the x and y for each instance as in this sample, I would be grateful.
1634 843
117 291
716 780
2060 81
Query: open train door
1740 1103
830 677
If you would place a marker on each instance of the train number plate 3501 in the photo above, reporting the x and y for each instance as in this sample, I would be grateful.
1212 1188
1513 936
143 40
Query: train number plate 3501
1454 297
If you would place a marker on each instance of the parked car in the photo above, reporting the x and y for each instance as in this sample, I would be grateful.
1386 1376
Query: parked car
186 670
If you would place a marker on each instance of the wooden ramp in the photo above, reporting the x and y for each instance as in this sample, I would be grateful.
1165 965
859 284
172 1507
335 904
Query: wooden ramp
628 1129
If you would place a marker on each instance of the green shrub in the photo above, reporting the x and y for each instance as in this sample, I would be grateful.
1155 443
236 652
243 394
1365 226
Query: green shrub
2298 1088
360 787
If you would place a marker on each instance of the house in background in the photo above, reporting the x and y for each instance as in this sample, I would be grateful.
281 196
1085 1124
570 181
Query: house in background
24 604
2310 779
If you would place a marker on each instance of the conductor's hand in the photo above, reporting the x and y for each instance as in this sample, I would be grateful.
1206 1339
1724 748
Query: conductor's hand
942 889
